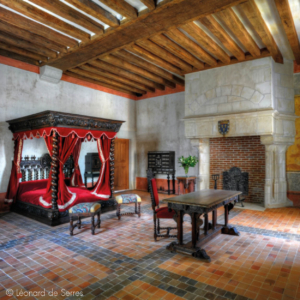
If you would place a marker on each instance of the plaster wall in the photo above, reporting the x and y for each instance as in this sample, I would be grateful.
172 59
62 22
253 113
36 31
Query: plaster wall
23 93
160 128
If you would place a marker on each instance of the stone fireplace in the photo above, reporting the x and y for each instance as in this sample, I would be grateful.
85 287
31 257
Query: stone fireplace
257 98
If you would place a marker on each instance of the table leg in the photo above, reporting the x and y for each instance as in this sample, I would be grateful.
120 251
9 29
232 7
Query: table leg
180 227
214 219
206 224
168 176
194 229
226 214
173 181
228 229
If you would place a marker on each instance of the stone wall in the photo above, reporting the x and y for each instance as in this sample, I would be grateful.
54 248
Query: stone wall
237 88
160 128
246 153
23 93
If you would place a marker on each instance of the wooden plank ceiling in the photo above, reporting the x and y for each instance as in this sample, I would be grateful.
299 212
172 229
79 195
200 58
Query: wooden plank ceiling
142 48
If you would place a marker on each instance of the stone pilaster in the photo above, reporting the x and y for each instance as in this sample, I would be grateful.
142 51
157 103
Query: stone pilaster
204 163
275 181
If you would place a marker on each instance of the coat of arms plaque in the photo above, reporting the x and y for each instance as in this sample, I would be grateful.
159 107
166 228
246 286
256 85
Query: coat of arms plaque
223 127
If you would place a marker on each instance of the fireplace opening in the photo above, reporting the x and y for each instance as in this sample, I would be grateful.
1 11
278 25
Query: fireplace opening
240 162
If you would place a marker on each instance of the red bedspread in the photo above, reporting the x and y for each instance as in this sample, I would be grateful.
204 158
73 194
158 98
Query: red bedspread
32 191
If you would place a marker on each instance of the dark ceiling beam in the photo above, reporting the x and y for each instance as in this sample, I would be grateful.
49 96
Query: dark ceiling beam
159 20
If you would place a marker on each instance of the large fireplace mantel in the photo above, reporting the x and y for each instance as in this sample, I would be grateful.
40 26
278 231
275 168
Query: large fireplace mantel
276 131
257 98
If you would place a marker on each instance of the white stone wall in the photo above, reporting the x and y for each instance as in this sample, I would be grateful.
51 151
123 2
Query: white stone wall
283 86
160 128
241 87
23 93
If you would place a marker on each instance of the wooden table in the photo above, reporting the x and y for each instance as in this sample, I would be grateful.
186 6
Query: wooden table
186 181
197 204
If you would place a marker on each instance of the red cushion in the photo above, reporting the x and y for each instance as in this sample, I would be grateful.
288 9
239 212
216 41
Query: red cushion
155 193
164 213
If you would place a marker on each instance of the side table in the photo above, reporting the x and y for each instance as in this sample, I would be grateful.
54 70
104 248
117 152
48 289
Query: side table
186 181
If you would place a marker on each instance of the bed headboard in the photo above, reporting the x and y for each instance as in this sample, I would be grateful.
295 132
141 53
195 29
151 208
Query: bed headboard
33 168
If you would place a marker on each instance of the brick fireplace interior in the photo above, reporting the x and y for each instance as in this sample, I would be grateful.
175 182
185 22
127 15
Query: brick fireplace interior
246 153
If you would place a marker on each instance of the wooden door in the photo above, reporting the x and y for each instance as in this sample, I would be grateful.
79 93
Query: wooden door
121 164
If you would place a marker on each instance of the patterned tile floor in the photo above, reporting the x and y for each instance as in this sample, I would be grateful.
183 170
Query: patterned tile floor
122 261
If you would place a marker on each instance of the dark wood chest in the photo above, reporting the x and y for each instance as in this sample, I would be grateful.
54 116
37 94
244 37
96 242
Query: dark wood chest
92 163
161 162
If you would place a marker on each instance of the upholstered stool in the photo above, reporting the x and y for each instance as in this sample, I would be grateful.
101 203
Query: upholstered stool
88 209
128 199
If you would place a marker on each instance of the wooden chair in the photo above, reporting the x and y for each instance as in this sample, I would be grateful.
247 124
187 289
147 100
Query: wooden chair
159 212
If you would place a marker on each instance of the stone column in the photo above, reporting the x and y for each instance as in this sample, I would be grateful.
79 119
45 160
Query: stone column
275 182
204 163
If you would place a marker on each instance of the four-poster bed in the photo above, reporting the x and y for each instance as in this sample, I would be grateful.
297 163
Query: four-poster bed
48 200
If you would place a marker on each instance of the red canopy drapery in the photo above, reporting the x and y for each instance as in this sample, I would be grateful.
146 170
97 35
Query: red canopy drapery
76 179
15 172
64 197
102 188
63 132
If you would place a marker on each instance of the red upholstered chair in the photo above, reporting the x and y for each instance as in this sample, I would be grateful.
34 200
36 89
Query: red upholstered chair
159 212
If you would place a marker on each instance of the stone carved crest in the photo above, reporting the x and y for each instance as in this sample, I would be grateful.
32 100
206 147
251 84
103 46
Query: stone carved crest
223 127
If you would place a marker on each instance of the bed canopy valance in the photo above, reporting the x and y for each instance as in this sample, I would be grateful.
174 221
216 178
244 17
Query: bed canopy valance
63 134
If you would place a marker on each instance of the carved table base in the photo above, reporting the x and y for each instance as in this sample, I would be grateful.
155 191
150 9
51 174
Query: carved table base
193 248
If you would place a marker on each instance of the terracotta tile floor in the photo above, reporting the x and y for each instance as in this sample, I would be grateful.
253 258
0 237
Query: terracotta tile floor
122 261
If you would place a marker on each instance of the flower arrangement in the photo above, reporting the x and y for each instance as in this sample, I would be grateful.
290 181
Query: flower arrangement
187 162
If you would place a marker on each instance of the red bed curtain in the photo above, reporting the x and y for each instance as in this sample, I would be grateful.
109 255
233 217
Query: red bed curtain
76 179
102 188
15 172
64 197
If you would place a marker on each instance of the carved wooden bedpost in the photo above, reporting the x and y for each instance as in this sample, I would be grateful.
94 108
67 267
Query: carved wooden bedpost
54 169
112 166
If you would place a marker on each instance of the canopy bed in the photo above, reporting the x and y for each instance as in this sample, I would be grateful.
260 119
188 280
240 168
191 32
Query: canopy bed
48 200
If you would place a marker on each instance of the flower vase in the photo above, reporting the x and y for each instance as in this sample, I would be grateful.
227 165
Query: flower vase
186 170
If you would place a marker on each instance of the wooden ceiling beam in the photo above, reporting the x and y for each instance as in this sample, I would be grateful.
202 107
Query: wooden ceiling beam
229 17
253 14
177 50
287 20
11 40
45 18
19 57
110 86
31 26
180 38
217 30
114 77
65 11
205 41
22 52
153 58
160 20
96 11
121 63
164 54
149 3
122 7
148 66
264 53
120 72
106 80
31 37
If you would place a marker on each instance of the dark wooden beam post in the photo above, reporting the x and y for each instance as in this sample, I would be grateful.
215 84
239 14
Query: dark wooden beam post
54 169
112 166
